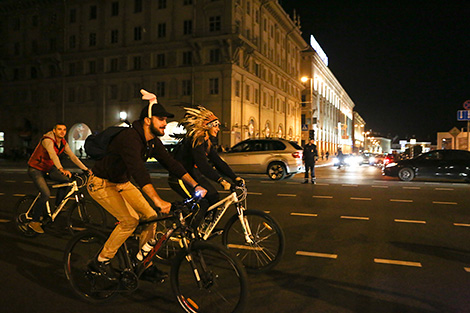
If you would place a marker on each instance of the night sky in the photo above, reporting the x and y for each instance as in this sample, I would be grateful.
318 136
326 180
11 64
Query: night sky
405 64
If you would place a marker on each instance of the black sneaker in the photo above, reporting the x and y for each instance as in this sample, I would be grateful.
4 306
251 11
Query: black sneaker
154 275
305 182
103 268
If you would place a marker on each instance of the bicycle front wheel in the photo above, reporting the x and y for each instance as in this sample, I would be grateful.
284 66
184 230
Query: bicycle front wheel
207 278
80 250
266 245
21 220
86 214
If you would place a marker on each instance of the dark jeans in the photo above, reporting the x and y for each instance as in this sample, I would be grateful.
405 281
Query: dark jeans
309 167
39 179
187 191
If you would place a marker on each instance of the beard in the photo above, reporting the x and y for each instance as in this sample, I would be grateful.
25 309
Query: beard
156 131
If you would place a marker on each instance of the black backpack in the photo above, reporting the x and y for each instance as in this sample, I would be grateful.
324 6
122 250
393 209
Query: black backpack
96 144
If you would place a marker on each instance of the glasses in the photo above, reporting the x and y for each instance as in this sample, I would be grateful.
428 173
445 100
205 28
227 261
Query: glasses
215 123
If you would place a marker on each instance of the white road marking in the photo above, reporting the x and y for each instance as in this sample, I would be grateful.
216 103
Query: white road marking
445 202
267 182
398 262
255 193
349 185
410 221
163 188
292 183
316 254
364 218
286 195
414 188
304 214
363 199
428 183
4 221
323 197
462 224
2 194
28 182
19 195
401 200
379 186
321 184
10 181
449 189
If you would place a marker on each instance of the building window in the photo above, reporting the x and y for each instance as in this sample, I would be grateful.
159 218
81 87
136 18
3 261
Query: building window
92 67
247 92
161 30
214 56
35 21
72 69
17 48
71 93
161 62
92 40
34 72
113 92
213 86
72 16
93 12
34 46
137 33
187 58
237 88
113 65
187 87
257 95
160 89
137 61
52 71
114 36
248 8
52 44
187 27
161 4
187 2
115 8
214 23
137 6
72 42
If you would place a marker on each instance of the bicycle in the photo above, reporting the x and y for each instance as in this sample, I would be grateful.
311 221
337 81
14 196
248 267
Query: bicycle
253 235
81 214
205 277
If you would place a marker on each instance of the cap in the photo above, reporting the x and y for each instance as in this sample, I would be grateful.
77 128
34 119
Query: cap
157 110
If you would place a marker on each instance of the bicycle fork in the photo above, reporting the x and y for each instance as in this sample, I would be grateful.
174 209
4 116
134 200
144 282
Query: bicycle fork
245 225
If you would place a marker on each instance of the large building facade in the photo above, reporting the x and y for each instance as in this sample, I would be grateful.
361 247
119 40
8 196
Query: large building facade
84 62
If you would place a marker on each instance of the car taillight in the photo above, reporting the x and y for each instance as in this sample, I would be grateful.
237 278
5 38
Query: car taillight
297 155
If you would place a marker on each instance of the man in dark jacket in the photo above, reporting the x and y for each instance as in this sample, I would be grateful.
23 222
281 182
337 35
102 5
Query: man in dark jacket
111 187
309 157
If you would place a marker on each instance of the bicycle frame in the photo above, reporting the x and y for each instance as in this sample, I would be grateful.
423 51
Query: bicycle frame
73 192
226 202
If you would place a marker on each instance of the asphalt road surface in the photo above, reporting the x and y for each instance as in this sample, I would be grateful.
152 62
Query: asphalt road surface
356 242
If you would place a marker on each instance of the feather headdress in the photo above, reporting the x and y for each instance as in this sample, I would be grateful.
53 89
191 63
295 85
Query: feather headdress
197 122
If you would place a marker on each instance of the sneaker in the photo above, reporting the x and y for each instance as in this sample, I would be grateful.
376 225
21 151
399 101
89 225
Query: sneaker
36 227
154 275
305 182
103 268
313 181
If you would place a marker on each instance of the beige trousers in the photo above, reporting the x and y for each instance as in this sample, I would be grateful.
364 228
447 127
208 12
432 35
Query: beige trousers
128 205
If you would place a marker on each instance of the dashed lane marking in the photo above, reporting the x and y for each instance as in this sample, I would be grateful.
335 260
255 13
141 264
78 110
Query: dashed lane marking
446 189
304 214
19 195
4 221
379 186
286 195
401 200
292 183
444 202
462 224
349 185
317 254
267 182
322 184
163 188
255 193
2 194
364 218
323 197
363 199
410 221
412 188
10 181
398 262
428 183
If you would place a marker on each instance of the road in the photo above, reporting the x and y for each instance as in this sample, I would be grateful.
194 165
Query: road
356 242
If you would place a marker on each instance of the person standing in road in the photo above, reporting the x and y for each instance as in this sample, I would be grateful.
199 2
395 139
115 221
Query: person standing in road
112 188
340 157
309 157
327 155
44 162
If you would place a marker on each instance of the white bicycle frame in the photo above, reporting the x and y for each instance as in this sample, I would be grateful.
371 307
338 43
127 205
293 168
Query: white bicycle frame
226 202
54 214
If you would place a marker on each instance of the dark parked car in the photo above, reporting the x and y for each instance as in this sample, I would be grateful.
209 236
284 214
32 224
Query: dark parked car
278 158
442 164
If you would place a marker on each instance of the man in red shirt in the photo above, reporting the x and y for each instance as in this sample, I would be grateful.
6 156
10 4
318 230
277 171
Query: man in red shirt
44 162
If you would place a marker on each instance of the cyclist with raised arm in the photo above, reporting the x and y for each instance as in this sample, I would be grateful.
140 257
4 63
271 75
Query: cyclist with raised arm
44 162
198 154
111 186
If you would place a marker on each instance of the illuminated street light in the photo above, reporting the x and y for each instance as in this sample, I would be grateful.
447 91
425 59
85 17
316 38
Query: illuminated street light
123 115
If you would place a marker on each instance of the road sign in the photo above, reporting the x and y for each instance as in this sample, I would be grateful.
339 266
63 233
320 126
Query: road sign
463 115
454 131
466 105
304 127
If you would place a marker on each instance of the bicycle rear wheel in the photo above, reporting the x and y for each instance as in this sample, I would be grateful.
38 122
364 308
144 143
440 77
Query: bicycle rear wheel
82 248
85 214
21 220
267 246
209 279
